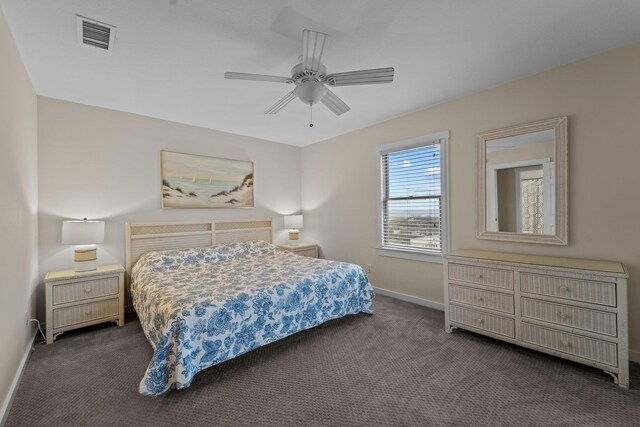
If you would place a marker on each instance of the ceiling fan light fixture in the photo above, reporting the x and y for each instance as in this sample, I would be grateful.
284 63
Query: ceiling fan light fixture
310 92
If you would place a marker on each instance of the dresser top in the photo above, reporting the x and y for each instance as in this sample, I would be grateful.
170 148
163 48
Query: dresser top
72 274
575 263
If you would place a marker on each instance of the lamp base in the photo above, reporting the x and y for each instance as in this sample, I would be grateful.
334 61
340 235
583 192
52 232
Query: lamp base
86 258
294 237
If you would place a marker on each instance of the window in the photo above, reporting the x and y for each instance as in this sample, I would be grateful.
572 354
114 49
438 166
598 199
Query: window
412 214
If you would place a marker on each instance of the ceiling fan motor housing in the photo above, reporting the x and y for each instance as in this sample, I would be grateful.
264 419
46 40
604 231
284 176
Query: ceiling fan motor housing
300 74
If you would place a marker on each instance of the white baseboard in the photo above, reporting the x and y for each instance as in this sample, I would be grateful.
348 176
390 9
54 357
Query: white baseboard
8 400
634 355
410 298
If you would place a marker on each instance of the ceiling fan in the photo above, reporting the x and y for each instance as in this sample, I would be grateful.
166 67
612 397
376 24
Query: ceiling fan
311 79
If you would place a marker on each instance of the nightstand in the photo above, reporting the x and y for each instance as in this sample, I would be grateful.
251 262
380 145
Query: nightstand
304 249
81 298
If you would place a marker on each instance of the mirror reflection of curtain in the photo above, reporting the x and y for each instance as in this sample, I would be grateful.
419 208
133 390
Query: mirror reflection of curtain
532 206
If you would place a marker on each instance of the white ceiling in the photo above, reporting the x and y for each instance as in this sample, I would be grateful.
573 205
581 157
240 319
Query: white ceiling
170 55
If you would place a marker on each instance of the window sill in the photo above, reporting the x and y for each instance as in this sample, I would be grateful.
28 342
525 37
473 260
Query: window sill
435 258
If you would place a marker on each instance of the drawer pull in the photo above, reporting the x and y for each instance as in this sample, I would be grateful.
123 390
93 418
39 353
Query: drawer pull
87 311
565 288
87 290
563 316
480 321
479 276
566 343
480 299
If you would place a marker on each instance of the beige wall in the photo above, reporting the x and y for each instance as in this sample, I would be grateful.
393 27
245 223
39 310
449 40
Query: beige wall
18 208
601 96
105 164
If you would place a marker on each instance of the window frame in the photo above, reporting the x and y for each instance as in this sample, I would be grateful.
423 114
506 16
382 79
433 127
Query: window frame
421 141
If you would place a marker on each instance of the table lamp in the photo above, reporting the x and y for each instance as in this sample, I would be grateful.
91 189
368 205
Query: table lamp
293 223
85 235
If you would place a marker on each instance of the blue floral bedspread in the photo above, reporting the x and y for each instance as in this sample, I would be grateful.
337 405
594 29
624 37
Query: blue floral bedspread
200 307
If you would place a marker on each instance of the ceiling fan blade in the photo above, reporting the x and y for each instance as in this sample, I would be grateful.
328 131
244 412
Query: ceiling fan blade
313 44
334 103
361 77
275 108
257 77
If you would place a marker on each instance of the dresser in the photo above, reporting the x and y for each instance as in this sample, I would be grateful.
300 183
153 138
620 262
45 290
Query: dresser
571 308
76 299
304 249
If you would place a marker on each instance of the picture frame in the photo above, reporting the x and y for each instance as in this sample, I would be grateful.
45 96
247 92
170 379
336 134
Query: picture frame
193 181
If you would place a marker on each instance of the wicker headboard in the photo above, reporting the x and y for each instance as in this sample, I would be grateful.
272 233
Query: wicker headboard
143 237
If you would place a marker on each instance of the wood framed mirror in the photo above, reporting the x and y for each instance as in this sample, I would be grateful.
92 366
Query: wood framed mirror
522 183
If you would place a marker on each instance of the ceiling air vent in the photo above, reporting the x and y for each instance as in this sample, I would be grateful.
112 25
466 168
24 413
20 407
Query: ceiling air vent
95 34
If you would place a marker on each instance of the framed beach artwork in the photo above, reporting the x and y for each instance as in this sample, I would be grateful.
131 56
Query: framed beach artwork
193 181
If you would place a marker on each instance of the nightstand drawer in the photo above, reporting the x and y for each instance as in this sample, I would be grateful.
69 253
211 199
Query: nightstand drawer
86 289
481 275
311 252
573 289
81 313
303 249
577 345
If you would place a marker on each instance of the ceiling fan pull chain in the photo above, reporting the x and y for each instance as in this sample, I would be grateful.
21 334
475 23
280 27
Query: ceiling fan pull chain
310 115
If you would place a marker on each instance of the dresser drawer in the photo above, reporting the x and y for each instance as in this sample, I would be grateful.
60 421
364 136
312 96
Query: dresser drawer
481 298
577 345
571 289
480 320
575 317
481 275
86 289
67 316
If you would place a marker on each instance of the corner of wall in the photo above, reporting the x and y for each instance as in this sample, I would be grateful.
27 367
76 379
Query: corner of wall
18 216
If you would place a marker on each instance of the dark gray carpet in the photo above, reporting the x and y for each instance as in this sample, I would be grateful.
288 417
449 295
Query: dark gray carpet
397 367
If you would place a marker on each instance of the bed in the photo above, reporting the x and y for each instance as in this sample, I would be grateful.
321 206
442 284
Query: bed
202 305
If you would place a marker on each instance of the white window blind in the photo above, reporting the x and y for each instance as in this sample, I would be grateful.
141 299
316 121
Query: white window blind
412 199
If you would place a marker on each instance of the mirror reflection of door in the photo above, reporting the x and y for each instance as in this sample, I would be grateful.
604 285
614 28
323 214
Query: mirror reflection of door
522 197
520 187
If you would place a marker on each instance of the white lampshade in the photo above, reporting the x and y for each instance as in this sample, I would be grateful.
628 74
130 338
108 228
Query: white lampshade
82 232
293 221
